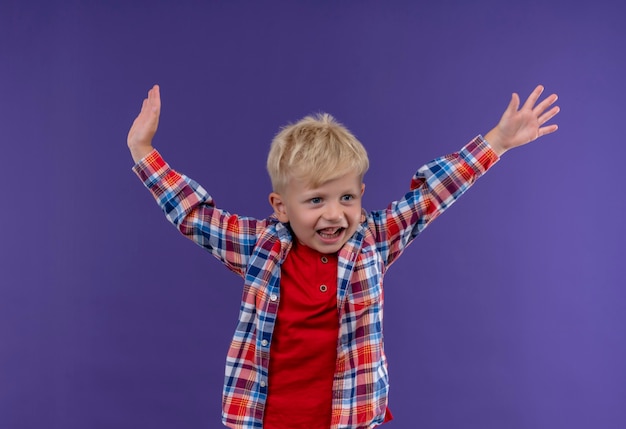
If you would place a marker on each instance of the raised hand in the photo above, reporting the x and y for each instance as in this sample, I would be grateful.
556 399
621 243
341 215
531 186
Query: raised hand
520 126
144 127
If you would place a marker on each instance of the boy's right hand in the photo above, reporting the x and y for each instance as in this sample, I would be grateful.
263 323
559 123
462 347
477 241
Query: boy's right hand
144 127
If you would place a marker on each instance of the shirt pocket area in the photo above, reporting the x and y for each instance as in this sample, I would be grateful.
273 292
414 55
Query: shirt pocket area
365 283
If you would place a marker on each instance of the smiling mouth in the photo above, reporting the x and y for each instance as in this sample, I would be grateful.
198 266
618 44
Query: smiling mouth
330 233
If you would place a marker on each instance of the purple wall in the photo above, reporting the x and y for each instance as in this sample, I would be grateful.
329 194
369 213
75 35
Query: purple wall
509 312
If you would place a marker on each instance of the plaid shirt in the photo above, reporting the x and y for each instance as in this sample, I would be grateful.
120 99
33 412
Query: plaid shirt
255 249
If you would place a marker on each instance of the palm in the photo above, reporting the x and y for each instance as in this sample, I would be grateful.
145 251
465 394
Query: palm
146 123
144 127
519 126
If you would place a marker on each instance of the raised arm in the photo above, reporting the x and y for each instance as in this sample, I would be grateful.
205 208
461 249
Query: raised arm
144 127
520 126
187 205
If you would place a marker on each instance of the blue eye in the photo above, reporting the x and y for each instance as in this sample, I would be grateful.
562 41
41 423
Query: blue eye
315 200
347 198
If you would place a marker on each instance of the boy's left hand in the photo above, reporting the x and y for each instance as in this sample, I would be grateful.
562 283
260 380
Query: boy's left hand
144 127
518 127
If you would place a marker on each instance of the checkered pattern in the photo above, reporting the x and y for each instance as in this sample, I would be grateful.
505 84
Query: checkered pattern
255 250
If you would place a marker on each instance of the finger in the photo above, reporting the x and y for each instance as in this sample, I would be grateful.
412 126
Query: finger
155 93
548 129
548 115
144 106
545 104
155 98
514 103
533 97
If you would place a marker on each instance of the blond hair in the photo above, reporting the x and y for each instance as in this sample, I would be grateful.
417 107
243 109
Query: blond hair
317 149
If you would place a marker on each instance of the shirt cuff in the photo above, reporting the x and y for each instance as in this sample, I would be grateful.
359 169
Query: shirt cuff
479 154
151 168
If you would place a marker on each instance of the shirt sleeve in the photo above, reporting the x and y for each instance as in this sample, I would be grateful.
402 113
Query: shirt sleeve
434 188
192 211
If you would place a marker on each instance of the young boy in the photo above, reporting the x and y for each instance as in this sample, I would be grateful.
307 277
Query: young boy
308 351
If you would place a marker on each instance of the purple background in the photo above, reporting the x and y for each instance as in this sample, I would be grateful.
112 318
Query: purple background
508 312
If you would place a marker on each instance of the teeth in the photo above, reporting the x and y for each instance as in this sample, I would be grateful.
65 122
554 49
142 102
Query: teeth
330 232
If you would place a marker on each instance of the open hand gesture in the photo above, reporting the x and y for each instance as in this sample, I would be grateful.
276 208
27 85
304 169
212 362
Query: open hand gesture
520 126
144 127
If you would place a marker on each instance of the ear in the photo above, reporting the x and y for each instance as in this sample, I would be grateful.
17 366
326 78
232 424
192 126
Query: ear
277 203
362 188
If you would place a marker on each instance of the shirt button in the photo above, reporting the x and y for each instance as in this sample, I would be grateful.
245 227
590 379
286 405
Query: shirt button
264 343
273 297
263 383
323 288
324 260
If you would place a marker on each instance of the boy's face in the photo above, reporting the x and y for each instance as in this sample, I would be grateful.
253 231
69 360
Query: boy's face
322 218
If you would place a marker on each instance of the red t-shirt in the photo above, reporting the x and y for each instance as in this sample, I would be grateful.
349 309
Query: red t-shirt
303 353
304 344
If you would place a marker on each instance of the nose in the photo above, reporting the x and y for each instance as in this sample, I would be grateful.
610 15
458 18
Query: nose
333 212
